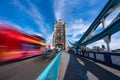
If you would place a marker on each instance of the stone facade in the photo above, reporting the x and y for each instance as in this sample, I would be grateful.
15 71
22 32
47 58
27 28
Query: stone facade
59 38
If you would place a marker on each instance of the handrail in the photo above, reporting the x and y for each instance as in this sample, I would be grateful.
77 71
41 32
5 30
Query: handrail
109 58
52 70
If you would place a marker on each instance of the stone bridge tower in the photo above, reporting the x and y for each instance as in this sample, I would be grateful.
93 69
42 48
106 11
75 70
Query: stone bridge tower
59 38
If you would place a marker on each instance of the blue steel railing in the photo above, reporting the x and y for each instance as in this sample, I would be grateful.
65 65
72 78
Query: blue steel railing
111 58
52 70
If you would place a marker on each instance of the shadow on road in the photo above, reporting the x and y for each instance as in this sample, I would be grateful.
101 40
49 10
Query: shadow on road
82 69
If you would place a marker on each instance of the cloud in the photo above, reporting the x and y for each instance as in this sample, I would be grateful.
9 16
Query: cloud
115 44
97 43
59 8
115 40
78 27
73 40
111 16
34 13
64 8
76 30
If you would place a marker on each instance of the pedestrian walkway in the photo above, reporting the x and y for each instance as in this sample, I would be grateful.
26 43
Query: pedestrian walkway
78 68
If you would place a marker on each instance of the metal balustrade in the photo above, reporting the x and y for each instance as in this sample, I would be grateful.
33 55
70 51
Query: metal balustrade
111 59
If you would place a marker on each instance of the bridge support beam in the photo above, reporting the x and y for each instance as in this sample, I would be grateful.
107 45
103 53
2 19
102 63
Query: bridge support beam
107 39
108 47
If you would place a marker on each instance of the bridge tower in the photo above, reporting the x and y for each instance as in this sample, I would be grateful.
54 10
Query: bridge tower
59 37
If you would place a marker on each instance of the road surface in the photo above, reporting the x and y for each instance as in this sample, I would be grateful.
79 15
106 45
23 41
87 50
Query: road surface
74 67
28 69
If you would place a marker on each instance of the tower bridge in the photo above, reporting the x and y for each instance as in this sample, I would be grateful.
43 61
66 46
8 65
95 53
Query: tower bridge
74 63
59 38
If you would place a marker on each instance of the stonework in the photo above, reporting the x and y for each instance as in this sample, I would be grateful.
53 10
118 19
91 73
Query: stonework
59 38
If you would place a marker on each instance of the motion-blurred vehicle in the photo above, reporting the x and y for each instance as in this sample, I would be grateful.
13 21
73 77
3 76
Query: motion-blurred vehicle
57 50
15 44
49 53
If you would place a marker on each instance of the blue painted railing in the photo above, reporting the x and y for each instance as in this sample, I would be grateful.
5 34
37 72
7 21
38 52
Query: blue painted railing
52 70
108 58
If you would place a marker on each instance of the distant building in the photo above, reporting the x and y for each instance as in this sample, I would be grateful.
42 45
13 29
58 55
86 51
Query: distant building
117 50
98 49
88 49
95 48
59 38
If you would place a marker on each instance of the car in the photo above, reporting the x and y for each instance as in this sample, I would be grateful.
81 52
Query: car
57 50
49 53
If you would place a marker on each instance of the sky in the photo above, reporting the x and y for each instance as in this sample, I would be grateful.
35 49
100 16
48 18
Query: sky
38 17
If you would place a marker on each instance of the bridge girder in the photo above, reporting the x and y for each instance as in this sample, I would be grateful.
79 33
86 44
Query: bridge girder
109 8
111 29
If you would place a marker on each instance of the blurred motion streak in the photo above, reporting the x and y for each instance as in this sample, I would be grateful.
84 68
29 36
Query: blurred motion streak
15 44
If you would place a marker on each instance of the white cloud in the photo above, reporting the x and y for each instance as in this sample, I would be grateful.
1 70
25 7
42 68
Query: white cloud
78 27
34 13
64 7
115 41
115 44
59 8
111 16
73 40
97 43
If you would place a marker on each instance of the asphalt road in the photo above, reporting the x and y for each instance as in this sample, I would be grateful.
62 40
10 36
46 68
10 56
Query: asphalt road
79 68
28 69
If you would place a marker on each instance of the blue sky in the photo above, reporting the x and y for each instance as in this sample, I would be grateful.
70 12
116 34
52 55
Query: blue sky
38 16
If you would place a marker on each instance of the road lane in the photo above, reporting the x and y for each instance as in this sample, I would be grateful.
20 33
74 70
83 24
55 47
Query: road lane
28 69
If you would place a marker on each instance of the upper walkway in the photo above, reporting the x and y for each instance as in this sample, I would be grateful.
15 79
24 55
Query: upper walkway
78 68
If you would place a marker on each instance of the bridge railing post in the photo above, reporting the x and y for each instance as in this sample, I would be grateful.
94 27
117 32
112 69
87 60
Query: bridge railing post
107 59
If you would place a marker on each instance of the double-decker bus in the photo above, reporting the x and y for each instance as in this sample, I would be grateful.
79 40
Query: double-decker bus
15 44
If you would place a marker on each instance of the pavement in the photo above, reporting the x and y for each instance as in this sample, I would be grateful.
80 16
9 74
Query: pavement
28 69
79 68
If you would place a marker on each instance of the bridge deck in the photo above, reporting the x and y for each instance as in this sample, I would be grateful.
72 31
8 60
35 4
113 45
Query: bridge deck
28 69
78 68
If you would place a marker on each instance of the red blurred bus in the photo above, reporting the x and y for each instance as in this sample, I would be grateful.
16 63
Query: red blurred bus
15 44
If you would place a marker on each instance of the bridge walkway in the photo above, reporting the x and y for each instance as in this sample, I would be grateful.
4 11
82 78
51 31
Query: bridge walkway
79 68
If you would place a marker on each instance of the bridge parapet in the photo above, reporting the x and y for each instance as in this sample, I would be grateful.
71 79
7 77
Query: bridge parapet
52 70
109 58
